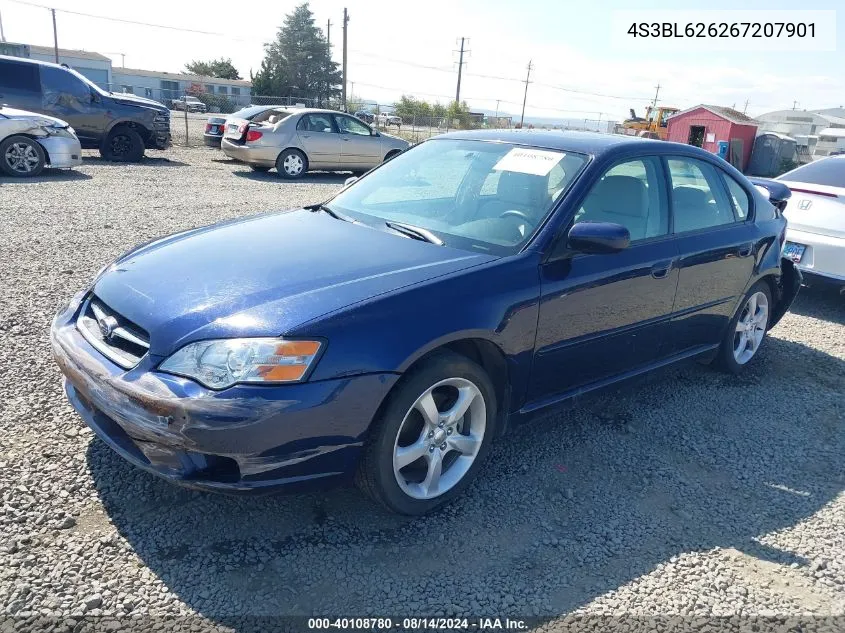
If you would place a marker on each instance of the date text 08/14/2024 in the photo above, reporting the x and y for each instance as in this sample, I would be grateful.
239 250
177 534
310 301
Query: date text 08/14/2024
417 624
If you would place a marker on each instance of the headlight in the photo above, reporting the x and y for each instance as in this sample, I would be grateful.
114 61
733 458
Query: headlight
66 132
222 363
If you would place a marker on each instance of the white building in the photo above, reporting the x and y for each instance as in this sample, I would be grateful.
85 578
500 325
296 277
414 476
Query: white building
164 86
93 65
820 130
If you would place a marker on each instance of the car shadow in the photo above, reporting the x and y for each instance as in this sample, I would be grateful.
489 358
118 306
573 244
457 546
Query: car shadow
822 301
49 175
311 177
565 509
146 161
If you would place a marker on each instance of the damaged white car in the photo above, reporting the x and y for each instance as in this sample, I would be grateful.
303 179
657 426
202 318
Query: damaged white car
29 142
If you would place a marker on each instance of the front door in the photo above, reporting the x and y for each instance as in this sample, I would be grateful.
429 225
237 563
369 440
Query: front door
359 149
717 245
67 97
604 315
319 138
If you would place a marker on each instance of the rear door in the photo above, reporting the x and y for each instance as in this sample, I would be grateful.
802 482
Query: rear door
359 149
318 136
20 86
717 244
602 315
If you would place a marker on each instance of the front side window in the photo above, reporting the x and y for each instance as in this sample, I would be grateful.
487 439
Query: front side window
351 126
631 194
698 199
487 197
315 123
63 89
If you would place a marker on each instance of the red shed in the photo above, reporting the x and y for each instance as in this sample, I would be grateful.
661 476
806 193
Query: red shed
706 125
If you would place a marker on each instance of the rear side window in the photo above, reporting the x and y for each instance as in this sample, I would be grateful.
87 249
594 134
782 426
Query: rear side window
698 198
17 77
829 172
315 123
739 197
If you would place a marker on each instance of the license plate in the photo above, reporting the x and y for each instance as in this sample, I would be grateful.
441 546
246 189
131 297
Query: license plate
794 251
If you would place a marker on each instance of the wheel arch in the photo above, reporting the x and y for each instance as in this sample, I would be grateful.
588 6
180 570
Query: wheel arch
392 154
138 127
485 353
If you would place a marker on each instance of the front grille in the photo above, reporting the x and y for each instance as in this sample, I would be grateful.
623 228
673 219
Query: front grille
114 336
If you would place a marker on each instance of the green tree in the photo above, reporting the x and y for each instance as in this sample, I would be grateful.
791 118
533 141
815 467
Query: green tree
221 68
297 63
458 112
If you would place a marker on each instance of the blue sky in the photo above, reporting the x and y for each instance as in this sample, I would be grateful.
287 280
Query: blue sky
399 47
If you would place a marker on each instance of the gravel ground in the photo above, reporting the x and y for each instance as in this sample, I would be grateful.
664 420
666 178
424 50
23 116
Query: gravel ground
687 494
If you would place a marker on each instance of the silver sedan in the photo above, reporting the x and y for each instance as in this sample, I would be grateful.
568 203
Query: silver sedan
297 140
30 141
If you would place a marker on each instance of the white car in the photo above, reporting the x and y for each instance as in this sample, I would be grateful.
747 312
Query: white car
388 119
29 142
815 234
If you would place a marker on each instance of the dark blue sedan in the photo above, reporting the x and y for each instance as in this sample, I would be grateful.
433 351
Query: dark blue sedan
391 333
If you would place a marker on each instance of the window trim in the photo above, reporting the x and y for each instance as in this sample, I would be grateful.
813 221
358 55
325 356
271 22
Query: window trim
748 216
723 187
663 193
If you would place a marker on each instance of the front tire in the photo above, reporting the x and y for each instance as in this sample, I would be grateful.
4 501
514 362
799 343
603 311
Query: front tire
123 145
431 436
747 329
22 157
291 164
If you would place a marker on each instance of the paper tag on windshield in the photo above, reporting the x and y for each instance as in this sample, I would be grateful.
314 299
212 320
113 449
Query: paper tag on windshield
529 161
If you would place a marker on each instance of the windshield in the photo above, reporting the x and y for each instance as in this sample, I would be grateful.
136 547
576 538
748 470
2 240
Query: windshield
471 194
828 171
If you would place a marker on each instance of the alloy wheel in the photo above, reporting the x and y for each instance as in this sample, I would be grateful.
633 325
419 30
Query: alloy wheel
439 438
121 145
751 327
21 158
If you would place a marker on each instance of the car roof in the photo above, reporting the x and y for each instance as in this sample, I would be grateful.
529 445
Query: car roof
28 60
564 140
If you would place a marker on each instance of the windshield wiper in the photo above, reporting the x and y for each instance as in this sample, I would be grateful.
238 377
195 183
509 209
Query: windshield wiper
415 232
327 209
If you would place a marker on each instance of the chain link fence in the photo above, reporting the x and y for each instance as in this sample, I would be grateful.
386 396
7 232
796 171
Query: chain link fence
191 111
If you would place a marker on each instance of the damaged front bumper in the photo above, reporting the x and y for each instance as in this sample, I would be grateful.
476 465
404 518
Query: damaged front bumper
241 439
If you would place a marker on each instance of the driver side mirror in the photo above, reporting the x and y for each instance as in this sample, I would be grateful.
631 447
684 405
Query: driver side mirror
598 237
374 132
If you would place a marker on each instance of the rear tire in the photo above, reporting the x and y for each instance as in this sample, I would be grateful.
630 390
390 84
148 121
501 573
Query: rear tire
22 157
747 330
432 434
291 164
123 145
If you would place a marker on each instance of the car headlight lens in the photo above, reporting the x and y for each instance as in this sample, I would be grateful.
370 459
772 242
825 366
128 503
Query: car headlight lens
66 132
222 363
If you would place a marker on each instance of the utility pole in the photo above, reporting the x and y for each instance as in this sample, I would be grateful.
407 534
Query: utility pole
497 112
345 22
745 109
656 92
2 34
460 67
525 96
794 105
55 36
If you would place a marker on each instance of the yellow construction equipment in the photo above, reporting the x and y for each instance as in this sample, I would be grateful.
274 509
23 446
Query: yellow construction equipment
652 126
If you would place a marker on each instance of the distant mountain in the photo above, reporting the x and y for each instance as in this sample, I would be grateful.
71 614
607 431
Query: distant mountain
591 123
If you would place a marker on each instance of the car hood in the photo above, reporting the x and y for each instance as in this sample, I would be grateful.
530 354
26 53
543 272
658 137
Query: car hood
264 276
135 100
14 113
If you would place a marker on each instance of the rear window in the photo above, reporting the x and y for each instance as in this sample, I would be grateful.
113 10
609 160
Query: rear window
828 171
19 77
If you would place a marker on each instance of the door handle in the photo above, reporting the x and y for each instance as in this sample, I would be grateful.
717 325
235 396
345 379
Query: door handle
745 250
345 140
305 135
661 270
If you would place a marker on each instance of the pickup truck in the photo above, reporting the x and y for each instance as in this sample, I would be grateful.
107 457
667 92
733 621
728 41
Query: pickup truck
388 119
